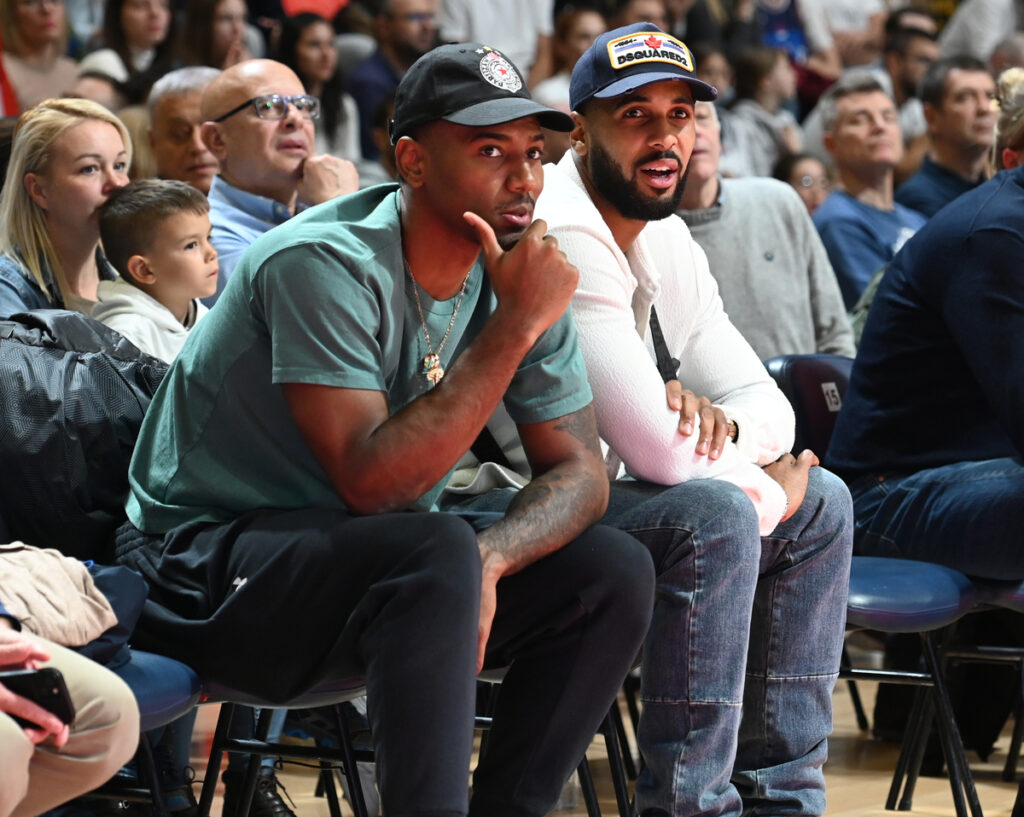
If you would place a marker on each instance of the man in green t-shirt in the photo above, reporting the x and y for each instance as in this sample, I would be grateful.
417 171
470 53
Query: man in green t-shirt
283 478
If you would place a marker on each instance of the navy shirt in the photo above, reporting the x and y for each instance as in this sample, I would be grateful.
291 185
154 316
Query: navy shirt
939 375
932 188
861 239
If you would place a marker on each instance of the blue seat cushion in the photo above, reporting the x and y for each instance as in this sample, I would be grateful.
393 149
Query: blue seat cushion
905 596
164 688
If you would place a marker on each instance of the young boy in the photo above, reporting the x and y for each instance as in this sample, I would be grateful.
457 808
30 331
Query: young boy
156 234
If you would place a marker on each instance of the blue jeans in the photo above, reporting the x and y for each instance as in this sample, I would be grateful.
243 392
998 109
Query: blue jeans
966 515
725 729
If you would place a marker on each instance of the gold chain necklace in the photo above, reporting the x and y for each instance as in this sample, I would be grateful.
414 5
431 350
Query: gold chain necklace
432 368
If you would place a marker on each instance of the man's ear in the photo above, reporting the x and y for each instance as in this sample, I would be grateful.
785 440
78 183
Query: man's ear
828 139
138 268
35 189
213 137
578 136
411 161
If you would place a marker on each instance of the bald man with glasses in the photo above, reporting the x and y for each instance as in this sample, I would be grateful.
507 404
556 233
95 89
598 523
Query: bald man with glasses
259 122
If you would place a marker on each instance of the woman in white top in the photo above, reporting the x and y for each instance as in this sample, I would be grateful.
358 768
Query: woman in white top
34 34
138 36
307 47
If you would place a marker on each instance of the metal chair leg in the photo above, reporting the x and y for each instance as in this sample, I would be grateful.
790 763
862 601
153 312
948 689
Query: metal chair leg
146 769
620 731
858 705
919 714
227 712
618 773
252 769
351 771
586 779
915 742
327 781
956 757
1013 753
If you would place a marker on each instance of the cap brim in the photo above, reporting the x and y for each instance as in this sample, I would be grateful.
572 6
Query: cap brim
498 111
702 92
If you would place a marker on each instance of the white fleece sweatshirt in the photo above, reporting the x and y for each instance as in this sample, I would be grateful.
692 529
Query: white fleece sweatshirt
612 304
143 319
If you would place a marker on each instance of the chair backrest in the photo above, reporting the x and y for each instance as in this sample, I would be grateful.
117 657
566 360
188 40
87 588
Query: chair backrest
815 386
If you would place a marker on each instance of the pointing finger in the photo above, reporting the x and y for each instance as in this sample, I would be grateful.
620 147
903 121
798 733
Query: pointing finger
484 231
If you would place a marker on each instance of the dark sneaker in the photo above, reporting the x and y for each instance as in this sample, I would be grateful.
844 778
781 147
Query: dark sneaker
266 801
175 783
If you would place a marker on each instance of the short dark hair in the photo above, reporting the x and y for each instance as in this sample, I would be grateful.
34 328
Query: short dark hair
898 40
896 20
933 83
131 217
752 66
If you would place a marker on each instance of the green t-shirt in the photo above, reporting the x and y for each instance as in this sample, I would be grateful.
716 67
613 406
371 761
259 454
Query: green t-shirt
323 298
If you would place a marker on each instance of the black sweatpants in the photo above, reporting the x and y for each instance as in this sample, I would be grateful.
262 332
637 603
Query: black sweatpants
275 602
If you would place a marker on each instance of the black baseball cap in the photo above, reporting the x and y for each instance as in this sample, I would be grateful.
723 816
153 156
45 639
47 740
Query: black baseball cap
468 84
627 58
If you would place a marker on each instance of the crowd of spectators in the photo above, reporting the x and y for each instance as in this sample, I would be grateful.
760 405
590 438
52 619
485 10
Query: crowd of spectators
157 140
770 61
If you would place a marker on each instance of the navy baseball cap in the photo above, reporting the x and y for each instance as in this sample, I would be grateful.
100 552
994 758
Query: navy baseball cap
468 84
627 58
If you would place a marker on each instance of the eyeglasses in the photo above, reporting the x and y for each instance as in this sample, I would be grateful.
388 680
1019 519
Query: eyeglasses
810 181
275 106
416 17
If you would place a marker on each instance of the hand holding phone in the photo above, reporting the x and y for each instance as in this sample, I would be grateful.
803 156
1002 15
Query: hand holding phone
38 700
19 650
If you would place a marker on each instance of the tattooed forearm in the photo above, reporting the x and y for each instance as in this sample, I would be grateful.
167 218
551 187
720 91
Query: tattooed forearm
549 512
583 426
556 505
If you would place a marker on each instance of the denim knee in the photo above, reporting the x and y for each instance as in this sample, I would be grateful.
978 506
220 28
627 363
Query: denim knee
674 520
829 494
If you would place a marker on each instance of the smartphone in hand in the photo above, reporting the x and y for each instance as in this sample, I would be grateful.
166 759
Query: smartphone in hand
44 686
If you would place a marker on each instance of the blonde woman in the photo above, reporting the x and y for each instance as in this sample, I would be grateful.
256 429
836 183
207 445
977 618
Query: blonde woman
66 158
1008 148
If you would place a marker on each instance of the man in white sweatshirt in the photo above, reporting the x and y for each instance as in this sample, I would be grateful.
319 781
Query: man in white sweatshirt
752 546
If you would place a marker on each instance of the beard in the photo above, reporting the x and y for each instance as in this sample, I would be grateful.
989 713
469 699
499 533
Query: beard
625 195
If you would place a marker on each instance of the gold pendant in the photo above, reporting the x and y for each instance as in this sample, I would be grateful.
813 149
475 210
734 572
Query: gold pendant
432 368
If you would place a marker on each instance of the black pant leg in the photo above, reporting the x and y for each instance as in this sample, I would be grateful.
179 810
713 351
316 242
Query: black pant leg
276 602
570 625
